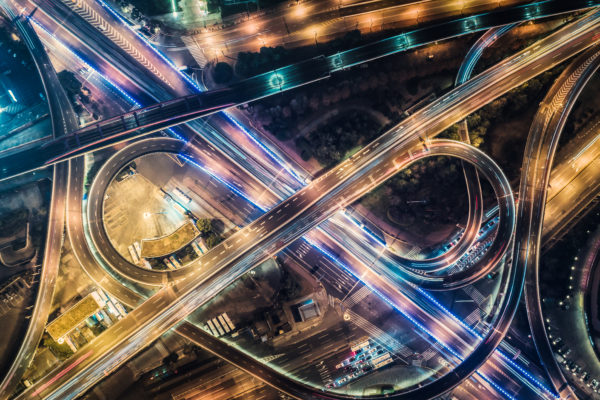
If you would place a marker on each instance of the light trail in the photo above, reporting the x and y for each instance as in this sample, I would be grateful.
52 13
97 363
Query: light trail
86 63
198 89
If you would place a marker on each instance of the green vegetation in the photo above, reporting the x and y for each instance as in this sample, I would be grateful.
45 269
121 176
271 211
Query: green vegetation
148 8
98 329
14 220
251 6
508 107
331 142
169 244
89 175
61 351
206 227
69 82
404 200
78 94
222 73
171 359
289 287
329 119
212 240
16 47
558 260
409 197
72 317
269 58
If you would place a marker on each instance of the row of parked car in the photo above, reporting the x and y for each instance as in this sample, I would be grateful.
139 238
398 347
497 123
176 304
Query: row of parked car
562 353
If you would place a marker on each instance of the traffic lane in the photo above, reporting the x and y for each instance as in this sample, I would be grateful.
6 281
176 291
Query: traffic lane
63 120
117 32
293 231
447 333
538 158
463 367
132 71
96 200
95 209
72 27
82 251
395 45
570 201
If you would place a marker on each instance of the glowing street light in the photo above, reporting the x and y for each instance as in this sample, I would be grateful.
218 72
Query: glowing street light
276 81
299 11
251 27
174 7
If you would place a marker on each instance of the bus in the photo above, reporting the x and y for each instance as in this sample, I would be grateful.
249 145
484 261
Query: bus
228 320
134 256
221 333
137 248
182 196
381 361
168 263
175 262
224 324
212 328
365 342
197 249
200 241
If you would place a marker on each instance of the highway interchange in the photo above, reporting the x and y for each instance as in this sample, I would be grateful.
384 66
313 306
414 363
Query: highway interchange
321 197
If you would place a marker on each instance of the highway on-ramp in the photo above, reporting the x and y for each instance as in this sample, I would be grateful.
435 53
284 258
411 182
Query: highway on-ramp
63 120
309 206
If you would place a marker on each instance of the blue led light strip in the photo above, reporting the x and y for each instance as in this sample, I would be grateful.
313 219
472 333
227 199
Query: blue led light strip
269 152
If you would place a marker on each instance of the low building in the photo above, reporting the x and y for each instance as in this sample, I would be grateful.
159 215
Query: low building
74 316
169 244
305 311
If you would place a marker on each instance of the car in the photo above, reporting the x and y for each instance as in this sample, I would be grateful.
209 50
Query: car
562 349
585 376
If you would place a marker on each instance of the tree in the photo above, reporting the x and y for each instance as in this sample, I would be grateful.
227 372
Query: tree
412 86
213 240
204 225
222 73
290 288
61 351
69 82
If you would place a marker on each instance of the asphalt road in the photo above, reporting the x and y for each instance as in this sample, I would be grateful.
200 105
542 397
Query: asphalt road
551 50
535 175
116 130
63 121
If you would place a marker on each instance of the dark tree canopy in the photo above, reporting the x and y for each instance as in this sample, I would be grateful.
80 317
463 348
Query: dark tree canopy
222 73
